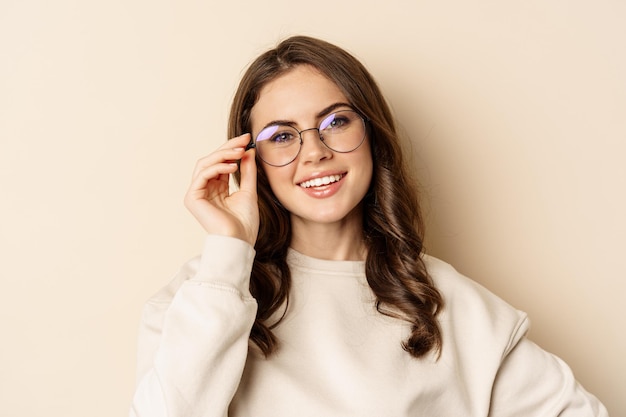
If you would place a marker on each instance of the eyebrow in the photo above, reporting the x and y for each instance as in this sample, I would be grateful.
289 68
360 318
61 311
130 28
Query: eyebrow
323 112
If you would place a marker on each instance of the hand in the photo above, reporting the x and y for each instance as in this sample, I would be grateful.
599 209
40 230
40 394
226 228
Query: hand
209 200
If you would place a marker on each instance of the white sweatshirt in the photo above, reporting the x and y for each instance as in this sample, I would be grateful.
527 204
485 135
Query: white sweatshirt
338 356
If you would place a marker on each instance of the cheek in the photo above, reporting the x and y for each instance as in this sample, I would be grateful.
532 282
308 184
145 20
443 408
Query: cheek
368 175
279 178
367 164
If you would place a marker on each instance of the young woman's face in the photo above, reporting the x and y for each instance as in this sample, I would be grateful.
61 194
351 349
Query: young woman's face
303 98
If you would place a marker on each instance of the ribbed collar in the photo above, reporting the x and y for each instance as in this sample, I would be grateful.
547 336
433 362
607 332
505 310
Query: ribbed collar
298 260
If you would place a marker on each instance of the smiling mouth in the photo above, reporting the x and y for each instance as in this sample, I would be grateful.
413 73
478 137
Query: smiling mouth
319 182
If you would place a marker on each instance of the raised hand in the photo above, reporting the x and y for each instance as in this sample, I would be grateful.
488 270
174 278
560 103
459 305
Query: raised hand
208 197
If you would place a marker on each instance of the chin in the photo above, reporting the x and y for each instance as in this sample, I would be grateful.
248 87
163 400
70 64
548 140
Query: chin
330 215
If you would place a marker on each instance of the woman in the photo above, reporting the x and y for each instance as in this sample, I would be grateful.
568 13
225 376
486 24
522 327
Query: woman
312 296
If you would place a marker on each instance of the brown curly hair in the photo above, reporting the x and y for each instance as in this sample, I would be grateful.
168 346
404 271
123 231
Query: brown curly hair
392 224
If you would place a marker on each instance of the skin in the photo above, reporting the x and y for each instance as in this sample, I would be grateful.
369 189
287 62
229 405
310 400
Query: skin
208 199
326 221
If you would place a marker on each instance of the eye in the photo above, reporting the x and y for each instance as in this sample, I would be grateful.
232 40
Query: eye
276 135
282 137
336 122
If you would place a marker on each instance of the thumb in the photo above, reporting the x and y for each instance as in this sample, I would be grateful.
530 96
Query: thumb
248 172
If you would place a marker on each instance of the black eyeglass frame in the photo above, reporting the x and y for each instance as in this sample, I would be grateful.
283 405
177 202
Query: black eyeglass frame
364 120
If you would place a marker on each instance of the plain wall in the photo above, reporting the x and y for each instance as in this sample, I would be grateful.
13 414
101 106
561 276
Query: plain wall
516 110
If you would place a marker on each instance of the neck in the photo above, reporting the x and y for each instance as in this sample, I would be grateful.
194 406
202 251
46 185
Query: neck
339 241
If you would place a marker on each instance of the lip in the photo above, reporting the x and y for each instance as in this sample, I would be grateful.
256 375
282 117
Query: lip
322 191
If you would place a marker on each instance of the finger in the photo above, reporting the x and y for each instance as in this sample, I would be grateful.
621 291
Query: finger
241 140
232 150
248 172
218 172
219 156
237 141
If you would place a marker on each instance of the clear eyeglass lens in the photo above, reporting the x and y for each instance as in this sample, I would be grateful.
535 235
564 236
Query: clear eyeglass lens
278 144
342 131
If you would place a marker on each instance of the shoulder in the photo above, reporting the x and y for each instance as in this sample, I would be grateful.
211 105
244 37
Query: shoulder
471 311
486 349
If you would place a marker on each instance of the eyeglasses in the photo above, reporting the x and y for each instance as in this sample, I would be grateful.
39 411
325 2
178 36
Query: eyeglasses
278 145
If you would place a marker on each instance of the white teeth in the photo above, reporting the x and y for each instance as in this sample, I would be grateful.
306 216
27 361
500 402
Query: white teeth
317 182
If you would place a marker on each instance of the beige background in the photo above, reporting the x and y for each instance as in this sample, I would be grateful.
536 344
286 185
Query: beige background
517 110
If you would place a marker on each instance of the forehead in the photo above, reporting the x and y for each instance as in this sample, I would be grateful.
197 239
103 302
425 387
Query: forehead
296 95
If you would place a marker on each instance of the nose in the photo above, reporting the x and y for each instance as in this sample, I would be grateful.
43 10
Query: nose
313 150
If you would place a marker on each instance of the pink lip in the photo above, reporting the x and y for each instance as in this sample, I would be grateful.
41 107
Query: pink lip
323 191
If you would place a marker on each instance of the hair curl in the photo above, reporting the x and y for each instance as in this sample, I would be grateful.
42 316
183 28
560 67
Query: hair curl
392 223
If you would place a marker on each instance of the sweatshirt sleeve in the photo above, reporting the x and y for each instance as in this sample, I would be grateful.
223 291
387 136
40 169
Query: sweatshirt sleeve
193 339
533 382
